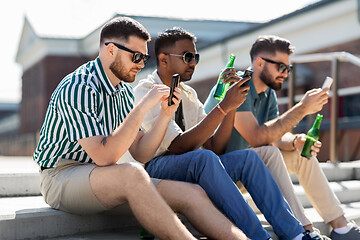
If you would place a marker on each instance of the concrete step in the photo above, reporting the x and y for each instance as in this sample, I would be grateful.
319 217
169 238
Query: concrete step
346 191
27 216
338 172
31 218
19 176
352 213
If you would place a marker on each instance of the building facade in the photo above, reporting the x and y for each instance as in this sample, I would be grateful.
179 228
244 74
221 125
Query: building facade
325 26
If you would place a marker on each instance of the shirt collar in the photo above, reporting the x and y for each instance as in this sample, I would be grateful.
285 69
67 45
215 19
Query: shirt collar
254 93
156 77
104 80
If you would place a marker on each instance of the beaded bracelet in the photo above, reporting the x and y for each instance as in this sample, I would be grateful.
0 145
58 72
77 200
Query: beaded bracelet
221 110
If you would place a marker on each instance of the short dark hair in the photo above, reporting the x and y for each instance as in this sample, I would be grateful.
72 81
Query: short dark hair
271 44
123 28
169 37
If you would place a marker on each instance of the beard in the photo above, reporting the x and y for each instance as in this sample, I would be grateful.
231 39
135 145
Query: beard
187 75
268 80
117 68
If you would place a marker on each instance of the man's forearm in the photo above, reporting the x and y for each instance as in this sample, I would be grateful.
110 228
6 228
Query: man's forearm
110 148
276 128
151 140
218 142
195 137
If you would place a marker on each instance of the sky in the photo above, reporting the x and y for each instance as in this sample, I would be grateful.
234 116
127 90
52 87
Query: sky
83 16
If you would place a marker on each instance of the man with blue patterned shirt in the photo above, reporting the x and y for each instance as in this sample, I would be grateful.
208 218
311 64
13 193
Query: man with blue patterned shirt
91 124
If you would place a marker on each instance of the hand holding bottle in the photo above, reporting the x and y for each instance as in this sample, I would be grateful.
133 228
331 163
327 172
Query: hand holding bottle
235 95
312 137
222 87
299 143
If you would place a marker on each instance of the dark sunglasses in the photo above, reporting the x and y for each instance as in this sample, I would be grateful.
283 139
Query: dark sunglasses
137 56
188 57
282 66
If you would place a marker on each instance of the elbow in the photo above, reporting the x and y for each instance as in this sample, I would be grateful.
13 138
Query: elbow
104 160
257 142
142 160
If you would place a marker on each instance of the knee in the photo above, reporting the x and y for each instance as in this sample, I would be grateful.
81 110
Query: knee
206 157
132 173
197 191
274 151
253 159
209 161
272 154
252 155
196 197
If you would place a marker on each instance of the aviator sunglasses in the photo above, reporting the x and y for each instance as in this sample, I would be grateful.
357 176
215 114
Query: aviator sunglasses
137 56
188 57
282 66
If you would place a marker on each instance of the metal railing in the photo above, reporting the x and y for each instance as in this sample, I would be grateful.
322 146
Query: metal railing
334 58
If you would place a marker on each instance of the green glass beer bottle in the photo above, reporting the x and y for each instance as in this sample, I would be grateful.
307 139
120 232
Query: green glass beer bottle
311 137
144 234
221 88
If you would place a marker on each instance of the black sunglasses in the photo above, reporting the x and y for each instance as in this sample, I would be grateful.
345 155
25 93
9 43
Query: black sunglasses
282 66
137 56
188 57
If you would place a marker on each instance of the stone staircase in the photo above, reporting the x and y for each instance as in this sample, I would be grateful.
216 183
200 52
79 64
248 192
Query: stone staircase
24 214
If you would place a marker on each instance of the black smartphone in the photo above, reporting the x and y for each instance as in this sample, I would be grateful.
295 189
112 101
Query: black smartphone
247 73
174 83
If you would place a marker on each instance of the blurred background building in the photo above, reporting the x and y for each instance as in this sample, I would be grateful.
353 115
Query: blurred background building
323 27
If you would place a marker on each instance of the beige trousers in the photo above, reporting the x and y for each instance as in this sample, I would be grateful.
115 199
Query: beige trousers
311 178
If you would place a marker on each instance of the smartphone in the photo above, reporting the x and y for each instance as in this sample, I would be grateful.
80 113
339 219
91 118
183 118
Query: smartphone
327 83
174 83
247 73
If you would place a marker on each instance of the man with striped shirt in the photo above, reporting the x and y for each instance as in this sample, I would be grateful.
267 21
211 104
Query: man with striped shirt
91 124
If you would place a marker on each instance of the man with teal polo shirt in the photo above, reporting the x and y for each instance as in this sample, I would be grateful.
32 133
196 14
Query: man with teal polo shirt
90 126
258 125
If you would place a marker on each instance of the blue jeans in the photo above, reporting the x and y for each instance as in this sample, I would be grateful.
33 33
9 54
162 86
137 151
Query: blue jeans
217 176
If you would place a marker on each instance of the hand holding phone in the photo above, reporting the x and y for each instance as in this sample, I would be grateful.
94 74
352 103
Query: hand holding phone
248 73
174 83
327 83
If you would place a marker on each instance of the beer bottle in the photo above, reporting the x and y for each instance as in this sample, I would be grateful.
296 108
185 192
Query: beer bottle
311 137
221 88
144 234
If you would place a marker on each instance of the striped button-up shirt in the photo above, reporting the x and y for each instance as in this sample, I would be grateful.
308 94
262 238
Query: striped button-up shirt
84 104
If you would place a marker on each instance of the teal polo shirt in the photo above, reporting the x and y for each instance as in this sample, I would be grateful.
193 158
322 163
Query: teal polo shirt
263 106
